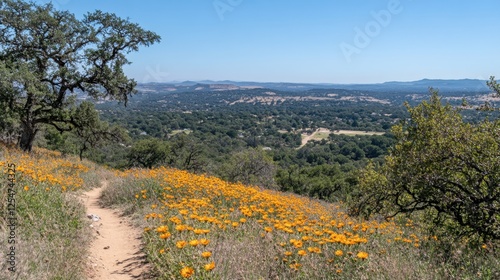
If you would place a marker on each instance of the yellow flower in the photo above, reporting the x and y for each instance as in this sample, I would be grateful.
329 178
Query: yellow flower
165 235
295 266
175 220
186 272
162 229
314 250
209 266
297 244
181 244
26 188
362 255
288 253
198 231
206 254
302 252
339 253
204 241
162 251
181 227
194 242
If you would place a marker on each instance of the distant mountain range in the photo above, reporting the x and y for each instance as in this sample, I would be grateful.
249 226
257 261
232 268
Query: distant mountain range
420 86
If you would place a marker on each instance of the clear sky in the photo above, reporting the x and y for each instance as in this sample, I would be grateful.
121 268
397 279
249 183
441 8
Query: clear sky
322 41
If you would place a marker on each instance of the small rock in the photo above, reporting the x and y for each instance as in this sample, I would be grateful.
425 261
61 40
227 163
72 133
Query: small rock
93 217
107 247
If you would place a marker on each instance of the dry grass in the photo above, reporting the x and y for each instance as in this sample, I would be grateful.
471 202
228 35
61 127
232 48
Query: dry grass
52 232
357 132
177 131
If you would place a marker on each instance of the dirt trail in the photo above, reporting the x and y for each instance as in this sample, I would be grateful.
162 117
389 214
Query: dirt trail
115 252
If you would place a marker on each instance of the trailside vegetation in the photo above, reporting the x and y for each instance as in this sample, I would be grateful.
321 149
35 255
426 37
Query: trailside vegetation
442 167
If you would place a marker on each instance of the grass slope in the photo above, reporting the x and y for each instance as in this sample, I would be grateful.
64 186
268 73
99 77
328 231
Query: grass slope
200 227
50 231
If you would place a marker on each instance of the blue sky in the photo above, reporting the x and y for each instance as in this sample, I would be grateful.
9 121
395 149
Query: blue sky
349 41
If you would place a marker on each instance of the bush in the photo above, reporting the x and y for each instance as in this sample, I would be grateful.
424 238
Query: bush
443 166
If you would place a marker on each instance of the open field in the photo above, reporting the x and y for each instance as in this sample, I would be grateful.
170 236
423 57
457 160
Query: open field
323 133
177 131
357 132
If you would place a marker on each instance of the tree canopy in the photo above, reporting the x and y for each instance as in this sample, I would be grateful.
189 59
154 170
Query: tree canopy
441 165
91 131
251 166
148 153
47 56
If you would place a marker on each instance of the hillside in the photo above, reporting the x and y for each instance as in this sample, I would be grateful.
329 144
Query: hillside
109 171
200 227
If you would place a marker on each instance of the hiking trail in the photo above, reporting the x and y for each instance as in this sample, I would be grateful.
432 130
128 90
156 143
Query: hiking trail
116 250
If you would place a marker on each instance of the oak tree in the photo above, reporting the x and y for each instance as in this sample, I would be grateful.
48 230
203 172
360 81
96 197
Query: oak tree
91 132
148 153
47 56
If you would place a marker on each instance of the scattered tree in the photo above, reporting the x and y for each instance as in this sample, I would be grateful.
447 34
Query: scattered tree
148 153
324 181
492 83
251 166
91 132
186 153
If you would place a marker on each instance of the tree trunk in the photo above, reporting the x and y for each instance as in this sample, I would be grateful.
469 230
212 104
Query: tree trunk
82 149
27 137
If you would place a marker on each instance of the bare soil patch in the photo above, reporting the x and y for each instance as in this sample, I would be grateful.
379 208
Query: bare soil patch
323 133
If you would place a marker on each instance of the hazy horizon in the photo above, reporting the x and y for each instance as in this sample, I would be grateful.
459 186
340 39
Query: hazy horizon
325 83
